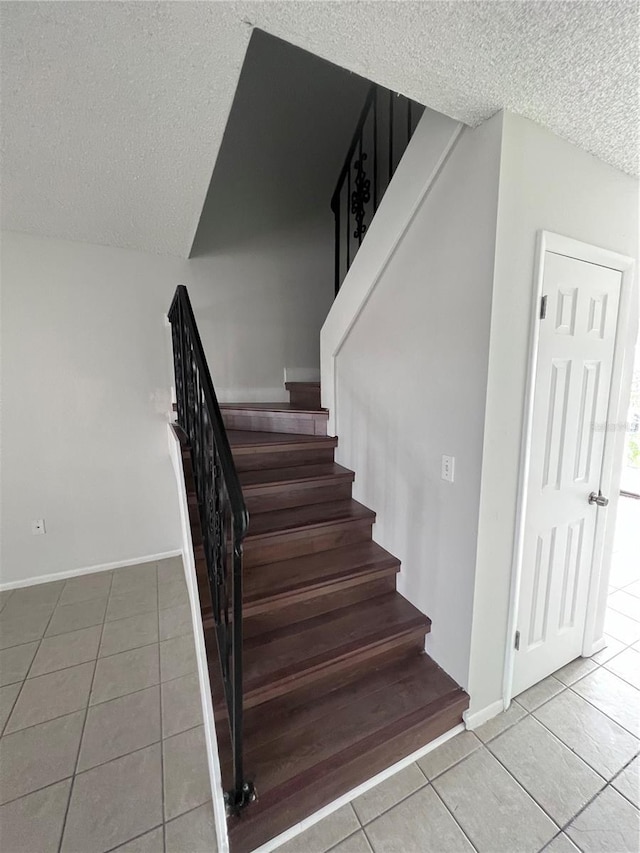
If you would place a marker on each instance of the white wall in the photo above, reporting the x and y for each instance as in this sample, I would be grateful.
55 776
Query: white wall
86 365
545 183
85 388
411 383
264 250
428 148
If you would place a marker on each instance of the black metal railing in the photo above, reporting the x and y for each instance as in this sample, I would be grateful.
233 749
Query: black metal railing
223 516
386 124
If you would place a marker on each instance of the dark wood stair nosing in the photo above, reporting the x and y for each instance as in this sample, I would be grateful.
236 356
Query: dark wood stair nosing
279 409
326 585
275 442
348 657
354 512
310 482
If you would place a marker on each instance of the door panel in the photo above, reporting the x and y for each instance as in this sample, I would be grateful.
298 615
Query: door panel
571 399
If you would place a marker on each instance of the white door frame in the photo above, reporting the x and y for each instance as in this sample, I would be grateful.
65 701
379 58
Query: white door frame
549 242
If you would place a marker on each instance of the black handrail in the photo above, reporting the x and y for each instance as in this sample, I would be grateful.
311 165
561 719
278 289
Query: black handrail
224 519
385 126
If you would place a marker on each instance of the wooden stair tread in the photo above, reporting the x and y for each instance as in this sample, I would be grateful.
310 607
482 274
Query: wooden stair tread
296 474
298 518
291 648
274 407
303 753
245 440
392 692
274 580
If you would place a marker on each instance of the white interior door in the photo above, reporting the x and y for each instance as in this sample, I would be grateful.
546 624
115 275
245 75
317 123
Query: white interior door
571 398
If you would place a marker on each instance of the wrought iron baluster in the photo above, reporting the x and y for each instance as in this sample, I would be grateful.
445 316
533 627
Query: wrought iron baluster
348 223
391 129
336 215
375 151
223 517
369 160
361 195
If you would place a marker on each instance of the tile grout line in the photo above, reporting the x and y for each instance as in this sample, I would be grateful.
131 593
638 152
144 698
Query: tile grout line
575 692
607 783
580 811
593 705
103 764
564 686
98 657
84 723
619 773
342 840
85 628
453 817
136 837
428 783
7 599
401 800
528 713
162 780
104 701
540 806
531 713
24 681
571 749
153 828
519 784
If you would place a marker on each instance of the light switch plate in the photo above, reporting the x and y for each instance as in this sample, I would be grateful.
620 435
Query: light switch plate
448 468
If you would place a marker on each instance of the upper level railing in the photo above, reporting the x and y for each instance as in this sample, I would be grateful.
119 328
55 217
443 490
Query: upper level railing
386 124
223 515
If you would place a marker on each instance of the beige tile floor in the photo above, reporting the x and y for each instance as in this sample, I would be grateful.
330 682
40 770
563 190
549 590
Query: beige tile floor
102 743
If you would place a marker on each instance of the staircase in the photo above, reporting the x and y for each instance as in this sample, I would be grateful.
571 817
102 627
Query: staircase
336 684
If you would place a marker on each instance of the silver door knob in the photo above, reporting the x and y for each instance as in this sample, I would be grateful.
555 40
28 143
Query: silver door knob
598 499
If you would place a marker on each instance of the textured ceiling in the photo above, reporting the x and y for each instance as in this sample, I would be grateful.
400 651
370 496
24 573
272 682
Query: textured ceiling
113 113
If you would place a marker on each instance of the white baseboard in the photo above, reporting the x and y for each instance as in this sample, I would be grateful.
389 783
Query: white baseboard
213 759
477 718
89 570
356 792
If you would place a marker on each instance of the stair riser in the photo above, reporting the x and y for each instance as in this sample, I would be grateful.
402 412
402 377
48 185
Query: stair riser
355 663
261 459
281 497
300 424
284 546
324 684
308 602
305 399
265 612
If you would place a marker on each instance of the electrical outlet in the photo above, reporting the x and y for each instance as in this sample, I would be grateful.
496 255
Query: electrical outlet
448 468
37 527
